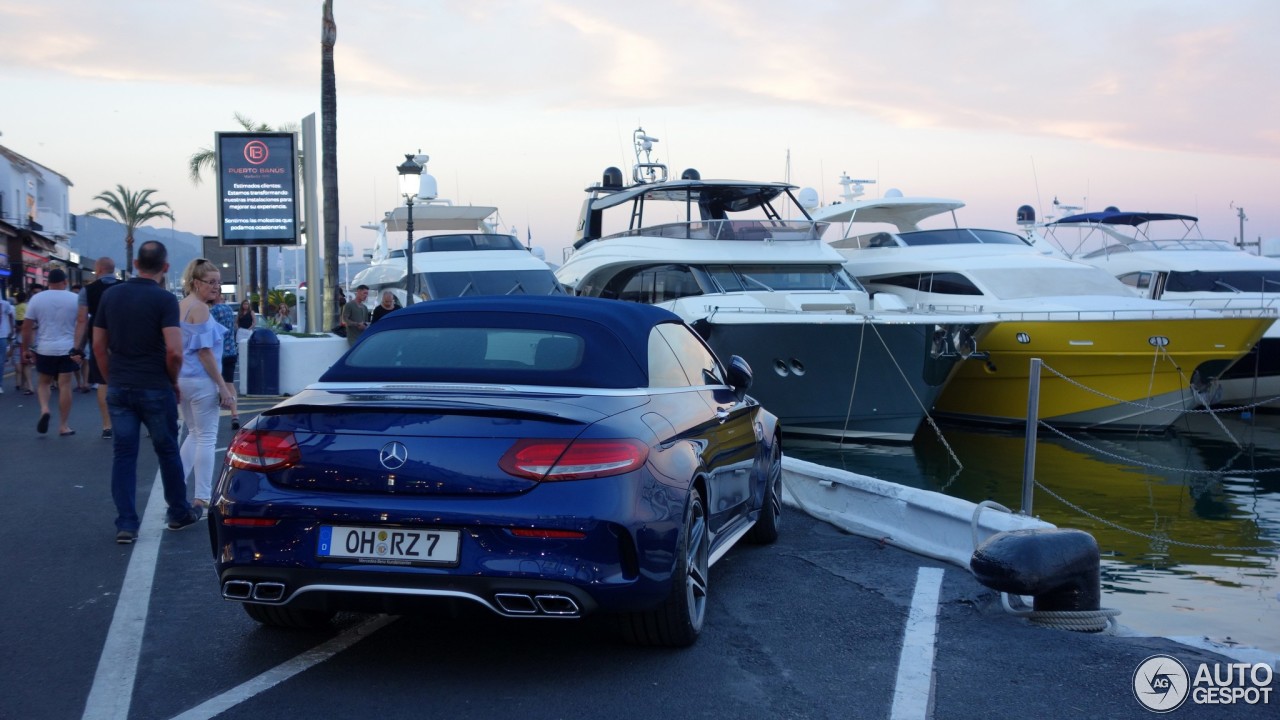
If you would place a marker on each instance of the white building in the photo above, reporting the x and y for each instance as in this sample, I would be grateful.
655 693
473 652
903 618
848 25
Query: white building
35 222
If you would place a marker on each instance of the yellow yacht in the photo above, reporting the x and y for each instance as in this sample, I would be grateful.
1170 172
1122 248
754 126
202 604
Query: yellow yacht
1112 360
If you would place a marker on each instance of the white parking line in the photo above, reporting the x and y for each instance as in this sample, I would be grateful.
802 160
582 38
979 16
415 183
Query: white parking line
285 670
913 690
112 690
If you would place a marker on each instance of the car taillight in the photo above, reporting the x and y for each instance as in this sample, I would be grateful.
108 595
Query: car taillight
263 450
552 460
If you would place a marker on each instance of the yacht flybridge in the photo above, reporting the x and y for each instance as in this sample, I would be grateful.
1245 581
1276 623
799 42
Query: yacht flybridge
458 250
744 264
1128 362
1162 256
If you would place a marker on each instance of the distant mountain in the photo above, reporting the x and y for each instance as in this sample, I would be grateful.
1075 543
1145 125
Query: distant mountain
97 237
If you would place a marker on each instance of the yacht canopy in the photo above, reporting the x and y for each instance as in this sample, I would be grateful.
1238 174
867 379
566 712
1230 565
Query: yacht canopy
903 212
1118 217
433 218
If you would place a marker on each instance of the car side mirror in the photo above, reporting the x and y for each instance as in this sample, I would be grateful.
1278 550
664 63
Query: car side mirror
739 375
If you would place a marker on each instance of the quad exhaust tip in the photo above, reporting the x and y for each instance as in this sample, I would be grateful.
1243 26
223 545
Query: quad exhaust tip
550 605
237 590
247 590
268 592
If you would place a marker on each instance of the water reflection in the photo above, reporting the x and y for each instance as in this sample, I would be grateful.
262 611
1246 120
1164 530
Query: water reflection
1200 508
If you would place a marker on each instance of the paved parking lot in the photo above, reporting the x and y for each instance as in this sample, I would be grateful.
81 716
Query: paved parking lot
812 627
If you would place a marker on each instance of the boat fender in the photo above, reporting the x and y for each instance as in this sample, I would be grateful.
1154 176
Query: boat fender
1058 567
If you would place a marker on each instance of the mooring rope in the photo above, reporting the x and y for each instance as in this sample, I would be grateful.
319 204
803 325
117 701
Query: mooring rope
919 402
1091 621
857 366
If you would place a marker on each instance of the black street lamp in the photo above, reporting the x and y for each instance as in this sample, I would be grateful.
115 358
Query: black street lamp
410 172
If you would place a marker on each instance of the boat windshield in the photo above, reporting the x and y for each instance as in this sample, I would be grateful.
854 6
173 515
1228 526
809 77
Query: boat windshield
748 278
1025 282
1233 281
490 282
960 236
466 242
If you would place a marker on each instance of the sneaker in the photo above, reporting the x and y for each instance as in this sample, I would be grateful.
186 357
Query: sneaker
197 512
125 537
106 434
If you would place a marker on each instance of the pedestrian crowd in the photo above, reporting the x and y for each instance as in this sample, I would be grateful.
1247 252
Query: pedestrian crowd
151 359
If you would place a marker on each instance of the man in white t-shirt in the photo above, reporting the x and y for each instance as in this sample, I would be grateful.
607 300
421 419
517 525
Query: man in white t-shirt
48 338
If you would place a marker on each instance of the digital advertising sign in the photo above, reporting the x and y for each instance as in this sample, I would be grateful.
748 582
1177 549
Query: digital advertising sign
257 188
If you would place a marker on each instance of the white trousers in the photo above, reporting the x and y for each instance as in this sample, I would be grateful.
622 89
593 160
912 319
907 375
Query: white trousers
199 407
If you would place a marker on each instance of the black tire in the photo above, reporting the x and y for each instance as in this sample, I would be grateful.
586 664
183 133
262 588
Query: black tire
679 619
765 531
287 617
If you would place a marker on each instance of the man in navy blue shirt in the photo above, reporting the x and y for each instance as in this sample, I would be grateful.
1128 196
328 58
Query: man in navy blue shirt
137 344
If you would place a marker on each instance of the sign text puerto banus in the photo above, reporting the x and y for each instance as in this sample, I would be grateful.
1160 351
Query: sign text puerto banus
257 188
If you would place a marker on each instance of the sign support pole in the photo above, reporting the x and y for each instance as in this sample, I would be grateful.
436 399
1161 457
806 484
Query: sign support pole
317 294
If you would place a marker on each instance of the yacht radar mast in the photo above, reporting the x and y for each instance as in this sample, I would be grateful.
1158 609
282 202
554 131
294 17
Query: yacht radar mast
646 169
853 189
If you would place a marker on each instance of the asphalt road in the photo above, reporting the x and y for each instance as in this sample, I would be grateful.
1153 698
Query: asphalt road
811 627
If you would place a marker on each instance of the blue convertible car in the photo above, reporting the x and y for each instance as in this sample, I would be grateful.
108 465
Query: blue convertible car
542 457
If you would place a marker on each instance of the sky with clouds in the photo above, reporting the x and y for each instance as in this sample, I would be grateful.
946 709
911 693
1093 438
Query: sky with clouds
1166 106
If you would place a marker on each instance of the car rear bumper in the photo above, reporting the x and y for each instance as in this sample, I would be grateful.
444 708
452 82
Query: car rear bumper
333 591
622 561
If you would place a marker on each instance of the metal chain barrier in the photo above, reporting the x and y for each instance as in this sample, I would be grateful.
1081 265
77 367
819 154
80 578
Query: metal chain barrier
1153 538
1153 408
1138 463
1129 461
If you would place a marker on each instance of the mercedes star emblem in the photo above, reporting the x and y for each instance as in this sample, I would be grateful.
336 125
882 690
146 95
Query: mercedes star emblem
393 455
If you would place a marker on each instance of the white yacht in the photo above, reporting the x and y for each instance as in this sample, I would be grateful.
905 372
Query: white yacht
1115 360
458 250
745 265
1163 256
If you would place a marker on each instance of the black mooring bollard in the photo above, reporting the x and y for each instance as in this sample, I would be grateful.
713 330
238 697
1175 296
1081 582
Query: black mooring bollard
1059 568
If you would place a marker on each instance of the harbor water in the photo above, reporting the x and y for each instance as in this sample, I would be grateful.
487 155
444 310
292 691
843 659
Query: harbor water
1188 521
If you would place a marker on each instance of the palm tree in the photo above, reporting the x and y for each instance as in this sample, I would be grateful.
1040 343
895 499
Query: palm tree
207 158
329 153
131 210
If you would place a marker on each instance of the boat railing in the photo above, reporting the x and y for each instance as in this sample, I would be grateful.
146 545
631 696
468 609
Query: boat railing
1257 304
1253 311
732 230
1170 314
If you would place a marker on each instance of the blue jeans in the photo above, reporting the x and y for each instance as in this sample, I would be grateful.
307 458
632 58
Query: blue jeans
157 408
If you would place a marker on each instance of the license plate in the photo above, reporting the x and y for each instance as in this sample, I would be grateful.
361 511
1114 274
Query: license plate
388 546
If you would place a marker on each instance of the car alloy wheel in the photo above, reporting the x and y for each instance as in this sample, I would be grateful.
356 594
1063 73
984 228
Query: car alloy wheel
765 531
678 620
